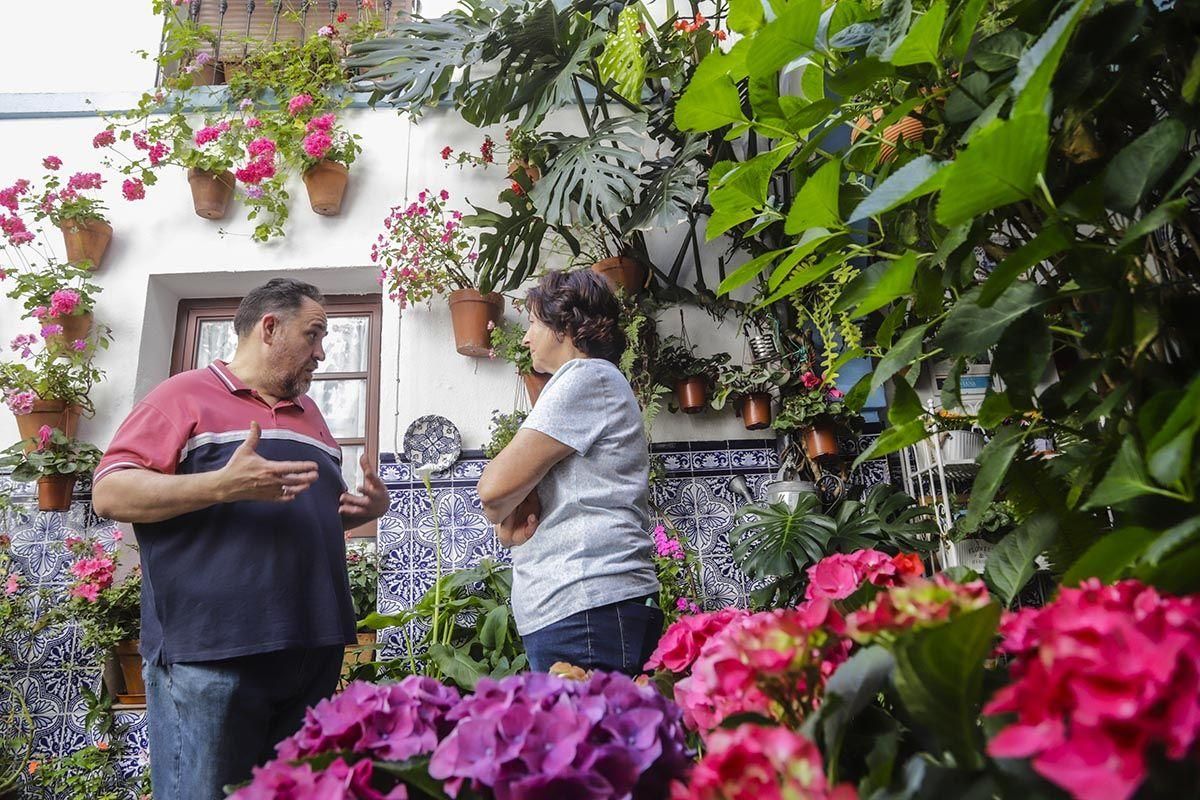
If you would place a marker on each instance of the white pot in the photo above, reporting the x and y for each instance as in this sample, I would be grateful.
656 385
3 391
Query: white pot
960 447
973 553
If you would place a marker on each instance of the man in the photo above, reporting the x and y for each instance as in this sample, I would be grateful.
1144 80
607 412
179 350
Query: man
233 484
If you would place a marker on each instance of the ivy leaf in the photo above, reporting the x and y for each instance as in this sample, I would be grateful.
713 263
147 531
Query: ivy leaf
999 166
1012 563
920 46
816 204
918 177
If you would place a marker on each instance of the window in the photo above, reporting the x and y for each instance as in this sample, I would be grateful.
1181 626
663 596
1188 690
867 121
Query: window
345 387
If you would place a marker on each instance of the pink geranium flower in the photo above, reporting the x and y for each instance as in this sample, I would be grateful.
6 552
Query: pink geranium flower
299 103
317 144
52 162
53 329
64 302
133 189
103 139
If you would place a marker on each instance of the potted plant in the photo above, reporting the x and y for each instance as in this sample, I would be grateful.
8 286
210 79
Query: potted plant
816 410
526 154
56 461
71 207
362 569
425 251
691 375
326 153
50 390
504 428
59 294
751 387
508 344
974 544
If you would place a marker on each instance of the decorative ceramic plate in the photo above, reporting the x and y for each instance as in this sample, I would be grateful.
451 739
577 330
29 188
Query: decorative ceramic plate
432 441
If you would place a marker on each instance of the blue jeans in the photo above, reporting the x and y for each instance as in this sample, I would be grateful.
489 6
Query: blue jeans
618 637
211 722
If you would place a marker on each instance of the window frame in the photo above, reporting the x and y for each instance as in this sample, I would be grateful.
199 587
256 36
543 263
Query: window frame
192 312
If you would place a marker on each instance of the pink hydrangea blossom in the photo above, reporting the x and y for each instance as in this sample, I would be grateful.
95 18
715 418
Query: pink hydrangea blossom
133 189
753 762
52 163
1101 677
681 643
299 103
915 604
103 139
316 144
838 576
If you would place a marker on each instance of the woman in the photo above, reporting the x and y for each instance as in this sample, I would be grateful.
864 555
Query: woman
569 493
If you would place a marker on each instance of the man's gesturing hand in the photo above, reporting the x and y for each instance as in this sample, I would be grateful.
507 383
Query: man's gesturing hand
370 503
249 476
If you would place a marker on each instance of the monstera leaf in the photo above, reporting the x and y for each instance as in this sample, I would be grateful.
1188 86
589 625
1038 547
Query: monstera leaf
591 177
670 187
622 63
885 517
509 245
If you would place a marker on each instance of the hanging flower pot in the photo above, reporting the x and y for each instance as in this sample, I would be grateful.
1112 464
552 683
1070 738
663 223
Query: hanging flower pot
756 411
130 661
907 127
86 240
74 327
820 439
532 172
54 492
211 192
623 272
54 413
692 394
534 382
470 312
326 183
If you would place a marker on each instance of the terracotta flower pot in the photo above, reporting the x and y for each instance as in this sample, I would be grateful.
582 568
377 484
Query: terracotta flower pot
326 184
820 440
211 192
86 240
361 653
691 394
54 413
75 326
130 661
907 127
534 383
756 411
623 273
531 170
54 492
470 312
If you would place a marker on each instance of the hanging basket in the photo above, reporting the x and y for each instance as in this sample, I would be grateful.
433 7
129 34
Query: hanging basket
624 273
756 411
326 183
54 492
86 240
54 413
534 382
470 312
211 192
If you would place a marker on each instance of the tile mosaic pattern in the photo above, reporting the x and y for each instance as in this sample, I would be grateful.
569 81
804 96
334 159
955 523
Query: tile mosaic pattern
52 670
694 496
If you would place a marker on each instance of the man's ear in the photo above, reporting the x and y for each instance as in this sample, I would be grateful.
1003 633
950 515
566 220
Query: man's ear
270 328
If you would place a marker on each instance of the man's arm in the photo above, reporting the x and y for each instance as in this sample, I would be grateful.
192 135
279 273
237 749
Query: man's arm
143 495
517 470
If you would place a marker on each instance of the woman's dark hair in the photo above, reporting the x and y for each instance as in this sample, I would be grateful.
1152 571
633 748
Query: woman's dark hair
580 305
276 295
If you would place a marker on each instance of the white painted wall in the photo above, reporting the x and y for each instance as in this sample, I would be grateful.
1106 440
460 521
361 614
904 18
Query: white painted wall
162 252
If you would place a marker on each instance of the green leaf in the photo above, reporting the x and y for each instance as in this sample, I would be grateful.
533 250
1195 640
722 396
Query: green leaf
939 677
1125 479
415 773
850 689
1163 215
970 330
966 28
994 461
1110 557
879 284
746 16
920 46
1049 241
999 166
739 189
1169 451
748 271
1037 65
903 353
594 176
893 440
906 405
623 63
670 188
708 106
784 39
457 665
1021 356
918 177
994 409
804 276
1141 163
809 242
1172 540
894 19
816 204
1000 51
493 634
1012 563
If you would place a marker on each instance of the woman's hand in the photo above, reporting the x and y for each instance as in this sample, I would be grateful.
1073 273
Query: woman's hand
518 527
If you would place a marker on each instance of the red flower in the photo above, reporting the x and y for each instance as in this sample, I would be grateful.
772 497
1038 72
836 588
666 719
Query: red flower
446 151
719 35
341 17
908 564
517 189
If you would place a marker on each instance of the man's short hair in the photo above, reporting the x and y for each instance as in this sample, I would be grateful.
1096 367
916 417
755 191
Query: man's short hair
277 295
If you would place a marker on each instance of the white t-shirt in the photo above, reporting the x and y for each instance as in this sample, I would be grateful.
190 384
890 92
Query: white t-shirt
592 546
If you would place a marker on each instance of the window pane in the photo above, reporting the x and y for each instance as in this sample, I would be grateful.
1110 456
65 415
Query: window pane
216 340
344 405
347 345
351 469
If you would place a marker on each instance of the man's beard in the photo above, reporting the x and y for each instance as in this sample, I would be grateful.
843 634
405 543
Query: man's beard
295 385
